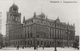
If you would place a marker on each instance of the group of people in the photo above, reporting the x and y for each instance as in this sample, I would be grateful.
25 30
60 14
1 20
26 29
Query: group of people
35 47
76 45
18 47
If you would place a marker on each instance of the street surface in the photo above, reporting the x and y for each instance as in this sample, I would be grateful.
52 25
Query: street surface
38 49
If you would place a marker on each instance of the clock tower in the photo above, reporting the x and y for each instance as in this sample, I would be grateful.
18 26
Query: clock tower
13 20
13 17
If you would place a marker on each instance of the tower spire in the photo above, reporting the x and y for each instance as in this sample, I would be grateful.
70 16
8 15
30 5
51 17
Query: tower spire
41 8
13 2
74 24
58 19
34 14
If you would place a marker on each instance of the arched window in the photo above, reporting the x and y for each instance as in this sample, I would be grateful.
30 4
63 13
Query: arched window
31 34
37 42
37 36
41 42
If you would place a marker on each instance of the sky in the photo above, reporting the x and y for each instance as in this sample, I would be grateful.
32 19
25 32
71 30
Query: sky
67 12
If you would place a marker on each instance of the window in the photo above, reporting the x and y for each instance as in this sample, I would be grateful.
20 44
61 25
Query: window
53 43
50 42
38 21
41 21
41 42
28 42
28 35
38 36
31 34
31 42
16 18
37 42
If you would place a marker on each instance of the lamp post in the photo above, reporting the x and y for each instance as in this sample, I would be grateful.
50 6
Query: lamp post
55 36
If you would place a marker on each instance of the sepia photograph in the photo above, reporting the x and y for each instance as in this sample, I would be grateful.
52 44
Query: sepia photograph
39 25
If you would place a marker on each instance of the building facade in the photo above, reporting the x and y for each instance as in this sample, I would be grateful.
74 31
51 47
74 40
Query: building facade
13 24
38 30
77 38
0 22
1 40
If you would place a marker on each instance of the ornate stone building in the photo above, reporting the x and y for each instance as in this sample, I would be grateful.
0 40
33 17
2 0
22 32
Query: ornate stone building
77 38
13 25
38 30
1 40
0 22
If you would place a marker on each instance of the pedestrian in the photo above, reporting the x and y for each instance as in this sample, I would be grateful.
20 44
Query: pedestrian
17 47
34 47
43 46
78 48
38 46
22 47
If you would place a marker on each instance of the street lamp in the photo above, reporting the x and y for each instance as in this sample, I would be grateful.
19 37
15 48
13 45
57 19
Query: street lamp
55 35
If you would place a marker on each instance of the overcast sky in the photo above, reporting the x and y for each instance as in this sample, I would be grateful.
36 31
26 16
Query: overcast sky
67 12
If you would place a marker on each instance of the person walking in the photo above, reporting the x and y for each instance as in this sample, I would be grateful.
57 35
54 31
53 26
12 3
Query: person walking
43 47
23 47
17 47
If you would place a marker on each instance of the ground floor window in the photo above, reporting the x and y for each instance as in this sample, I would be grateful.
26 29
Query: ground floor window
41 42
37 42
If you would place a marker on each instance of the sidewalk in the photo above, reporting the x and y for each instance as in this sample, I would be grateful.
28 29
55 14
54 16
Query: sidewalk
39 49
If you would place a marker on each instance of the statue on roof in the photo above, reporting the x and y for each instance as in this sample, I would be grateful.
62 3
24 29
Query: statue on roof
34 14
42 15
58 20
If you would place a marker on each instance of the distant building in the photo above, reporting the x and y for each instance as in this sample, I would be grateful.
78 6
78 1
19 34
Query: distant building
1 36
38 30
13 25
0 22
1 40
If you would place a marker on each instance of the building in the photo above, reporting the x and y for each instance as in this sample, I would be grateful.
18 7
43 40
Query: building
1 40
38 30
5 41
13 24
77 38
0 22
1 36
